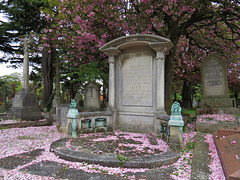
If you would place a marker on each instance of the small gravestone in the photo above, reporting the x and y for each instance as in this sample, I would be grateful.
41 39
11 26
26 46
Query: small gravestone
92 96
215 84
62 111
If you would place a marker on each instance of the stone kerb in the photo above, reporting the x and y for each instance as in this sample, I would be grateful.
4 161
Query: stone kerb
136 81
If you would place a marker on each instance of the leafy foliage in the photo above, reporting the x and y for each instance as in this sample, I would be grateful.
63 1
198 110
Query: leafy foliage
24 17
196 29
9 85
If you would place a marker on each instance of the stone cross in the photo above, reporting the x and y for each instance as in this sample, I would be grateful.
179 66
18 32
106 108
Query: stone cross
28 41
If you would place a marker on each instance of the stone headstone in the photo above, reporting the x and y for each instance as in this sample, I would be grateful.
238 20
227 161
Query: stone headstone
92 96
215 84
62 111
24 106
136 80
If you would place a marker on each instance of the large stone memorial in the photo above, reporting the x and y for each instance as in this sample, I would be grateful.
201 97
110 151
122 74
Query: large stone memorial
136 81
215 85
24 104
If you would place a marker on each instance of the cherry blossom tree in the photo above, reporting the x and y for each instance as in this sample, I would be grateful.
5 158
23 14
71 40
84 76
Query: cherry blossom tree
81 27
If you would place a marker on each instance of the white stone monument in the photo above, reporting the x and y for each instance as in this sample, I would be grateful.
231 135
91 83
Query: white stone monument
136 81
24 105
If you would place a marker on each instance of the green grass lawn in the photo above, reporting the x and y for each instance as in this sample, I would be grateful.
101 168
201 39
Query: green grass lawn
189 112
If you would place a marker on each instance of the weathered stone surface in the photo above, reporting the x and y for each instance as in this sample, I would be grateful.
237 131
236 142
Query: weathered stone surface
211 127
92 96
12 162
200 169
215 84
27 124
62 110
24 106
228 148
214 77
136 81
149 161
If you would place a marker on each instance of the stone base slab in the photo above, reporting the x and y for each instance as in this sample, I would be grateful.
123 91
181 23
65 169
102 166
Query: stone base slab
151 161
230 110
217 102
211 127
24 106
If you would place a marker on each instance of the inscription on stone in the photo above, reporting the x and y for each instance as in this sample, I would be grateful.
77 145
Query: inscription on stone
137 81
214 78
214 73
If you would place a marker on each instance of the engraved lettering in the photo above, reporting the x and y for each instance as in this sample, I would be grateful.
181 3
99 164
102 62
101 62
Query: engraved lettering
137 81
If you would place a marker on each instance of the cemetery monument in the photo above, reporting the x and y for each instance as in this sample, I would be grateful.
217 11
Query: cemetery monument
92 96
136 81
24 105
215 85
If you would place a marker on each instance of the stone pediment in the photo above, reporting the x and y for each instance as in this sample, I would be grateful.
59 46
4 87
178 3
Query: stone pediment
121 43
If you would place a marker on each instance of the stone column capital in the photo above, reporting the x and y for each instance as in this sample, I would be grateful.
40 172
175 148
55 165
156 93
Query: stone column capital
112 52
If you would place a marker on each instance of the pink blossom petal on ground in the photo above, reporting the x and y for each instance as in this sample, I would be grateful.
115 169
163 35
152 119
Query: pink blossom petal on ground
215 165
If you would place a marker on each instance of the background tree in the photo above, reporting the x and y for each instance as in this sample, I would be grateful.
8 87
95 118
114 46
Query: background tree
81 27
9 85
25 17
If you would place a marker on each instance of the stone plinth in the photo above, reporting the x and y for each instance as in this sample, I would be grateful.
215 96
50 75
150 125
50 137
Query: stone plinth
136 81
24 106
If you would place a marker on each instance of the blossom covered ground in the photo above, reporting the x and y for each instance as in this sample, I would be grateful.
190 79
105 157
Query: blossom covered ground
19 140
215 118
215 165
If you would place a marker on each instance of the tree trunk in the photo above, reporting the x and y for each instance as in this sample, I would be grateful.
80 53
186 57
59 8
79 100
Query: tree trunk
48 60
186 95
174 37
236 99
168 79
